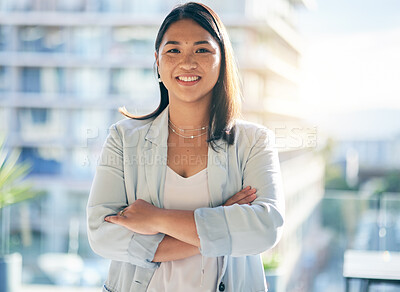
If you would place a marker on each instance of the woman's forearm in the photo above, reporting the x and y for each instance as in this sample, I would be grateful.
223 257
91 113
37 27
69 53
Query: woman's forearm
179 224
144 218
171 249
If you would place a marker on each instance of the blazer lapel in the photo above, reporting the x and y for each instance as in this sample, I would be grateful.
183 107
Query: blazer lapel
155 154
217 172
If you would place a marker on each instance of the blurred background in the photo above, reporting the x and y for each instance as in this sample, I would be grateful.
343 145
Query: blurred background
323 75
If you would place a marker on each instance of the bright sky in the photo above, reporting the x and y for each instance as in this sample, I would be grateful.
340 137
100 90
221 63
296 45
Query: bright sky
352 60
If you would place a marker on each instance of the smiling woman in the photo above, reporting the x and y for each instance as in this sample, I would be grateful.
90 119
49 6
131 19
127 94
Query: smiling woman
189 68
225 104
187 197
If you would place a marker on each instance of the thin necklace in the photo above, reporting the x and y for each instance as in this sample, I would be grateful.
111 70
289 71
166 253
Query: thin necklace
183 136
187 130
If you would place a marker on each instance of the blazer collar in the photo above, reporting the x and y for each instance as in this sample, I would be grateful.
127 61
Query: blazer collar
158 131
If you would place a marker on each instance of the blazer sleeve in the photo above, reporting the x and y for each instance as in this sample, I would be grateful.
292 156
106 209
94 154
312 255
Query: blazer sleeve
240 230
107 197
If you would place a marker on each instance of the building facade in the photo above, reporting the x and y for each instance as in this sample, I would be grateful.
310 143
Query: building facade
66 66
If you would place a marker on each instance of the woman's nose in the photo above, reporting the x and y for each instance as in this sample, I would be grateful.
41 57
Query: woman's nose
188 62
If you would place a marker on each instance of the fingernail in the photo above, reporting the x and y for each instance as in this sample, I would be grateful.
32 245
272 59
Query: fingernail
106 219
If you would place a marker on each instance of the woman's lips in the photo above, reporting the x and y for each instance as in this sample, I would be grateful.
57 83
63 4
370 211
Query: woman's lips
188 80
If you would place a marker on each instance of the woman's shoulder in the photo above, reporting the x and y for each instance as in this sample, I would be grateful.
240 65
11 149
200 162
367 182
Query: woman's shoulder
130 127
249 134
131 124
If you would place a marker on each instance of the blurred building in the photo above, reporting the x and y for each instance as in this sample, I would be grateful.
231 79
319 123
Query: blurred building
66 66
366 144
268 48
375 157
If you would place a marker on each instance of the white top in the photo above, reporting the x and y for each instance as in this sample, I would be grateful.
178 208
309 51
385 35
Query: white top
196 273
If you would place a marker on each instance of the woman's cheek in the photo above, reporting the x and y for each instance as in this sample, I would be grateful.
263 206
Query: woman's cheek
214 62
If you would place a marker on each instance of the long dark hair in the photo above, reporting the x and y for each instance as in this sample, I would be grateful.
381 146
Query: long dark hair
226 98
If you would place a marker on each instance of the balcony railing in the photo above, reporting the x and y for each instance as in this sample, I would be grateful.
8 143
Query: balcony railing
356 221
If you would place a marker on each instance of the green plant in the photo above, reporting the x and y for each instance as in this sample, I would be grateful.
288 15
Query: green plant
335 178
13 187
392 182
271 261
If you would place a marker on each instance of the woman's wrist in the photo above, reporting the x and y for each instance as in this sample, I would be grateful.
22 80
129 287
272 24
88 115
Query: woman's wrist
171 249
165 219
158 220
179 224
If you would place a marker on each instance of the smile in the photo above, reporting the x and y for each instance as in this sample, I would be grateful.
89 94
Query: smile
188 79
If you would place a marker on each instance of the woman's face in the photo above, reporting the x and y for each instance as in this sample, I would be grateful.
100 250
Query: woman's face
189 61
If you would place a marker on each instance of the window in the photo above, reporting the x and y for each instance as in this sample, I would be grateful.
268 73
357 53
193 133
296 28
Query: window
39 115
4 116
71 5
88 83
46 80
41 39
88 41
4 37
30 79
15 5
120 82
4 83
111 6
136 83
137 42
91 126
41 124
53 80
44 160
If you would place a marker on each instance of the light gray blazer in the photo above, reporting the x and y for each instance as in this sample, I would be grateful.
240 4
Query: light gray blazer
133 165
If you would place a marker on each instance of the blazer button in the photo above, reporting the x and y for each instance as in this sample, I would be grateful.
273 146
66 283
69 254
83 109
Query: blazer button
221 286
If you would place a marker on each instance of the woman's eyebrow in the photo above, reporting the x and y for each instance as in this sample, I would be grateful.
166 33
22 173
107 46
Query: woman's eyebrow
202 43
195 43
172 43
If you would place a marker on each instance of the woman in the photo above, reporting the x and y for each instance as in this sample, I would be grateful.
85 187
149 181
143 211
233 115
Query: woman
186 198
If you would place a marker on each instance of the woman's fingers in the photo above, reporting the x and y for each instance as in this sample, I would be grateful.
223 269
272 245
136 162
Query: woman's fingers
245 196
137 217
238 196
116 219
247 200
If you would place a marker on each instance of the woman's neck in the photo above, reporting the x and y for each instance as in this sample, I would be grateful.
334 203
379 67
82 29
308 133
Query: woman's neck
189 116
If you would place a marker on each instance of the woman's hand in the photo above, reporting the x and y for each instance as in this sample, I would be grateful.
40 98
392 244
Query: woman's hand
137 217
245 196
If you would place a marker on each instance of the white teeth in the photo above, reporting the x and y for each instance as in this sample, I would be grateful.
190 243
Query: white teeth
188 79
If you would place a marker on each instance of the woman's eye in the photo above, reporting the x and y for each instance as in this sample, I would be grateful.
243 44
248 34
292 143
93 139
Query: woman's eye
202 51
173 51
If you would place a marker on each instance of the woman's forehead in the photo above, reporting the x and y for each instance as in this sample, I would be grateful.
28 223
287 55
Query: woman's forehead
186 31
